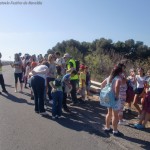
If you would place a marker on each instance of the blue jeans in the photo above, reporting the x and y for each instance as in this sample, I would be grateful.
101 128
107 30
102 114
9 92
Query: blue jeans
57 103
38 87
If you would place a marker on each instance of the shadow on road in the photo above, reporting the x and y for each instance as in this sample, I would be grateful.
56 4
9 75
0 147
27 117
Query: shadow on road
144 144
84 117
16 99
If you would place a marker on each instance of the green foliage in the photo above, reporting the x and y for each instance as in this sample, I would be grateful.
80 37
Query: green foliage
102 54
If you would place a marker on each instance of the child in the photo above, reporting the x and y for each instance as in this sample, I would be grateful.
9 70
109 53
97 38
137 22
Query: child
131 83
67 87
57 94
145 115
82 82
122 98
27 74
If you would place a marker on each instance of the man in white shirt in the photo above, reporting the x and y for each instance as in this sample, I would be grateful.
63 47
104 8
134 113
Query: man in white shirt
60 62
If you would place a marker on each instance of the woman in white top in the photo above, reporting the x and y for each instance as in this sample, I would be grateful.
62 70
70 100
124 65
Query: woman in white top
17 65
140 83
38 84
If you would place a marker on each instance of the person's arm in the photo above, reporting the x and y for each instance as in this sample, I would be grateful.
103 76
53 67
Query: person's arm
103 83
117 88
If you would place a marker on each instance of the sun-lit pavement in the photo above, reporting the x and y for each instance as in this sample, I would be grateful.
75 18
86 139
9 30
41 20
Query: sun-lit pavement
22 129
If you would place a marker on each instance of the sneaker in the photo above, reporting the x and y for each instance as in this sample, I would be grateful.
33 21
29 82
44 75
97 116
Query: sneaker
37 112
51 102
43 113
73 104
58 117
118 134
138 117
139 126
66 109
32 97
122 122
108 130
4 91
53 117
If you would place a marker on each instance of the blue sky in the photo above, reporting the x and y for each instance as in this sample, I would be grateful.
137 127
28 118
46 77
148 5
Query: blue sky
34 29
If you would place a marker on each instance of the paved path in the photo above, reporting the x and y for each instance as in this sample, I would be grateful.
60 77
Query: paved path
22 129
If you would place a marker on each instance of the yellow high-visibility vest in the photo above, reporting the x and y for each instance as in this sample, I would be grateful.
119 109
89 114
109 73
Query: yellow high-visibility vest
74 66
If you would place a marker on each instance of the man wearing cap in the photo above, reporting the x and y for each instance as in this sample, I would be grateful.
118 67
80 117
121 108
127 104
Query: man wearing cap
71 65
1 77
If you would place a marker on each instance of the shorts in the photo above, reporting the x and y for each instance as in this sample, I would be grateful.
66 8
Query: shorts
138 91
18 76
130 94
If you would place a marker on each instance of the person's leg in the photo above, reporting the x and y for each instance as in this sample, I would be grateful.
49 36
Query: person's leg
16 81
54 105
34 82
115 120
135 103
59 105
73 91
2 83
146 119
20 80
64 102
40 89
108 118
120 112
142 117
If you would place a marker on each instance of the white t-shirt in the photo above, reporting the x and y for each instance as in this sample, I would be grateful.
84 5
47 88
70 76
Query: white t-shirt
60 61
140 81
39 69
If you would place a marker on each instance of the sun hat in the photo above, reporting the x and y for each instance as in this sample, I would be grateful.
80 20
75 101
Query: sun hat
67 55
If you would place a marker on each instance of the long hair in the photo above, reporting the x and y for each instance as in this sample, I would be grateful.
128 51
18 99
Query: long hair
50 56
116 71
17 57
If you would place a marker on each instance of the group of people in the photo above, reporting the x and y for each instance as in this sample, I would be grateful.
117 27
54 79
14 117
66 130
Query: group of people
52 79
127 90
56 78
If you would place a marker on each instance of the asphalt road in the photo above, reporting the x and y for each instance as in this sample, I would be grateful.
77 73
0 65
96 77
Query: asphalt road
22 129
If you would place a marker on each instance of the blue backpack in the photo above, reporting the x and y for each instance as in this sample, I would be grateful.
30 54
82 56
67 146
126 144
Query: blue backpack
107 96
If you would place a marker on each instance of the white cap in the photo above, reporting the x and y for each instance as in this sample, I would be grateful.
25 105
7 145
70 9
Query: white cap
67 55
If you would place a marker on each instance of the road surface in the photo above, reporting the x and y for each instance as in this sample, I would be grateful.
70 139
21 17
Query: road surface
22 129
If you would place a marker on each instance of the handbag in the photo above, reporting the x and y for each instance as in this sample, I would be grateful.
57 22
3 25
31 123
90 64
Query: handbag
107 96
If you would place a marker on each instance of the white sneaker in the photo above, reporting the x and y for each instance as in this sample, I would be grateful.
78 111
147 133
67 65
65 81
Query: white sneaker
51 101
53 117
122 122
43 113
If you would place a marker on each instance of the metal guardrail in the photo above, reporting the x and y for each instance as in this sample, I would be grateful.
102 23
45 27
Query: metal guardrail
4 63
95 86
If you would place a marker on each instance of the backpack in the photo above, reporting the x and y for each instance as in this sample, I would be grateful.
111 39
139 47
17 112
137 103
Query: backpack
107 96
58 82
77 65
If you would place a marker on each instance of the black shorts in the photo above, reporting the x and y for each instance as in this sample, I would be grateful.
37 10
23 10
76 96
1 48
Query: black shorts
138 91
18 75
